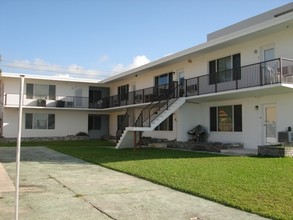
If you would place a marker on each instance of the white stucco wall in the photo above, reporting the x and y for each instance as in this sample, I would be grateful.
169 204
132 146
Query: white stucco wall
66 123
145 79
188 116
252 133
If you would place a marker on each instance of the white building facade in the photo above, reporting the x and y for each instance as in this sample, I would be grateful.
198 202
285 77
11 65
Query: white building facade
238 86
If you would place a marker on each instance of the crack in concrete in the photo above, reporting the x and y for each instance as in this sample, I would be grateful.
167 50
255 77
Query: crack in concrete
79 196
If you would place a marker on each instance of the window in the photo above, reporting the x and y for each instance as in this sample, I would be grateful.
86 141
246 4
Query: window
39 121
166 125
94 122
123 92
226 118
122 121
225 69
163 79
40 91
119 121
95 95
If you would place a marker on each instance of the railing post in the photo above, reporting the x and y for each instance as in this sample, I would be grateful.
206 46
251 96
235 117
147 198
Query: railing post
281 70
185 88
177 90
260 74
216 83
149 118
197 85
141 119
238 69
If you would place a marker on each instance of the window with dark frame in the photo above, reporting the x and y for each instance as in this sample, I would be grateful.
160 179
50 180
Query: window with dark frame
225 69
166 125
163 79
226 118
40 91
94 122
123 92
39 121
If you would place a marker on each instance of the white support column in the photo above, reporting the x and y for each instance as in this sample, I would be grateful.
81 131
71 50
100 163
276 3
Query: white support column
18 145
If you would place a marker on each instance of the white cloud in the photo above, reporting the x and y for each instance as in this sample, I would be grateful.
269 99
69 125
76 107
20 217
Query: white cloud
63 76
103 59
136 62
40 66
139 61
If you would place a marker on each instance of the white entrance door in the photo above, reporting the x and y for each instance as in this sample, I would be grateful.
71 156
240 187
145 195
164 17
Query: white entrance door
268 53
270 124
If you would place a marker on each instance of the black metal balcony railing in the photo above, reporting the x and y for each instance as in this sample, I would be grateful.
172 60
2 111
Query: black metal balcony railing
146 95
59 101
259 74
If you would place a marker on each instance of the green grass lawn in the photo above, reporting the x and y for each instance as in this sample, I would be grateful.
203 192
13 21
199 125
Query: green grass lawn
259 185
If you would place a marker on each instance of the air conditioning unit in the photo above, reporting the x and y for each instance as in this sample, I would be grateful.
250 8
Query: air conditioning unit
285 136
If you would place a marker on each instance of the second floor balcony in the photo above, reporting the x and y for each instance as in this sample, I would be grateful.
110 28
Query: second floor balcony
265 73
276 71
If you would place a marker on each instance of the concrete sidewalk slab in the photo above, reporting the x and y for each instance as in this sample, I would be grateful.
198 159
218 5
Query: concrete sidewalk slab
6 185
57 186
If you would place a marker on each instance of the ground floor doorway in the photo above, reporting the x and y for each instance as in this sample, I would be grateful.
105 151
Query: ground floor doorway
98 126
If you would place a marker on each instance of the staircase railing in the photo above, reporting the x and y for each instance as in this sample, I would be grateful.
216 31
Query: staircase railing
169 94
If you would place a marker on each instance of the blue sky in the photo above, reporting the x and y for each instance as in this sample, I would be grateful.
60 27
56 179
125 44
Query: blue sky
99 38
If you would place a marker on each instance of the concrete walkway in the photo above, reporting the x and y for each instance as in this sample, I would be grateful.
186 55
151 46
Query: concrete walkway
57 186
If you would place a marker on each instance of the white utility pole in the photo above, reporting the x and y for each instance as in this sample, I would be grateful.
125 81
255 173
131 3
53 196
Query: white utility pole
18 145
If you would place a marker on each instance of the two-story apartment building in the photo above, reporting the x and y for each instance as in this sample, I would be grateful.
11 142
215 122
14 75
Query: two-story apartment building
53 107
238 85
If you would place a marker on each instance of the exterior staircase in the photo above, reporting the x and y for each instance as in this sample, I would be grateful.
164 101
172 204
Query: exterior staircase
131 135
